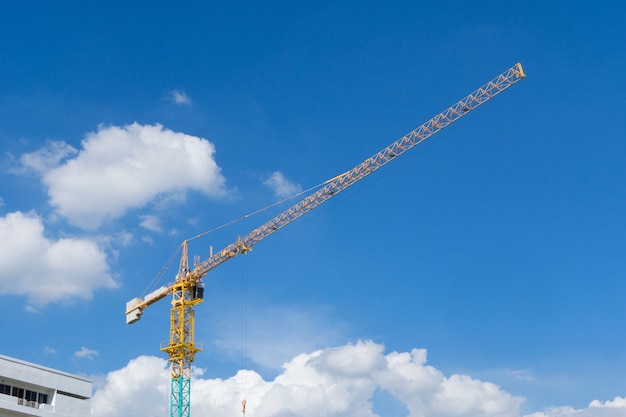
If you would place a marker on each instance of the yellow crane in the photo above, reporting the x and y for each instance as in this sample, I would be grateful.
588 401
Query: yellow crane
187 290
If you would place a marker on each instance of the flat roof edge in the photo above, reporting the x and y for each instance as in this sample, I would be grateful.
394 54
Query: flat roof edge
45 368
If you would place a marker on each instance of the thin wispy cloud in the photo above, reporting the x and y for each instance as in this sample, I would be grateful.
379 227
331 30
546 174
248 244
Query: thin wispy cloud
85 353
151 222
281 186
45 158
277 333
519 374
179 97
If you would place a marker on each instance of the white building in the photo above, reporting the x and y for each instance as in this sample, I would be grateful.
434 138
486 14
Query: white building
27 389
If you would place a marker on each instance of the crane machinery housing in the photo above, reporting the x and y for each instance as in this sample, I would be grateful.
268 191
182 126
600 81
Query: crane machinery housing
187 290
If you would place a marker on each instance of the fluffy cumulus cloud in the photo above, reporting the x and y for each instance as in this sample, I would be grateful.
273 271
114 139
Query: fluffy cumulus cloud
141 388
120 168
613 408
281 186
331 382
48 271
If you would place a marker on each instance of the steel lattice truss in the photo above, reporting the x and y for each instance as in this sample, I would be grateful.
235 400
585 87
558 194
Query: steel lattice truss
343 181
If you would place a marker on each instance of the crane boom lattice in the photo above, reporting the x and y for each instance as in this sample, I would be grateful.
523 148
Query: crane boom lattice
345 180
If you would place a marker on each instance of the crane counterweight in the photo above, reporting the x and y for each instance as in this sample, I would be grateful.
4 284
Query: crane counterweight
133 313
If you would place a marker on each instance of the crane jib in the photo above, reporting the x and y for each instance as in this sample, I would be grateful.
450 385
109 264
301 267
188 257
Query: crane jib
345 180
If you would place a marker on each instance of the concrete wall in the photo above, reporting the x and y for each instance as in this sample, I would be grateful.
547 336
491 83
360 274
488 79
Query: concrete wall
68 395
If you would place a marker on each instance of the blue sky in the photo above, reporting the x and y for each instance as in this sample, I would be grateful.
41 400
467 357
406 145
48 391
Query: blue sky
491 258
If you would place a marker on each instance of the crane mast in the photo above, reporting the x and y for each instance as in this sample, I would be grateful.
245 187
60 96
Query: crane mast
188 289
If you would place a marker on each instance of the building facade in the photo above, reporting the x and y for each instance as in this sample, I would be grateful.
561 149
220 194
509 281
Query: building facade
27 389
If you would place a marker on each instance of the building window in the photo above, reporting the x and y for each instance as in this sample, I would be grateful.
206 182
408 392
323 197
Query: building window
24 394
69 394
18 392
31 396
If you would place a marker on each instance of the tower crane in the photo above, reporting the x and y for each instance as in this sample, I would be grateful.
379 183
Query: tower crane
187 290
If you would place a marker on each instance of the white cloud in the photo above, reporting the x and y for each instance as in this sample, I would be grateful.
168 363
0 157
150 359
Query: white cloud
275 334
124 238
281 186
614 408
618 402
151 222
518 374
85 353
119 168
140 388
44 270
46 158
179 97
331 382
49 350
